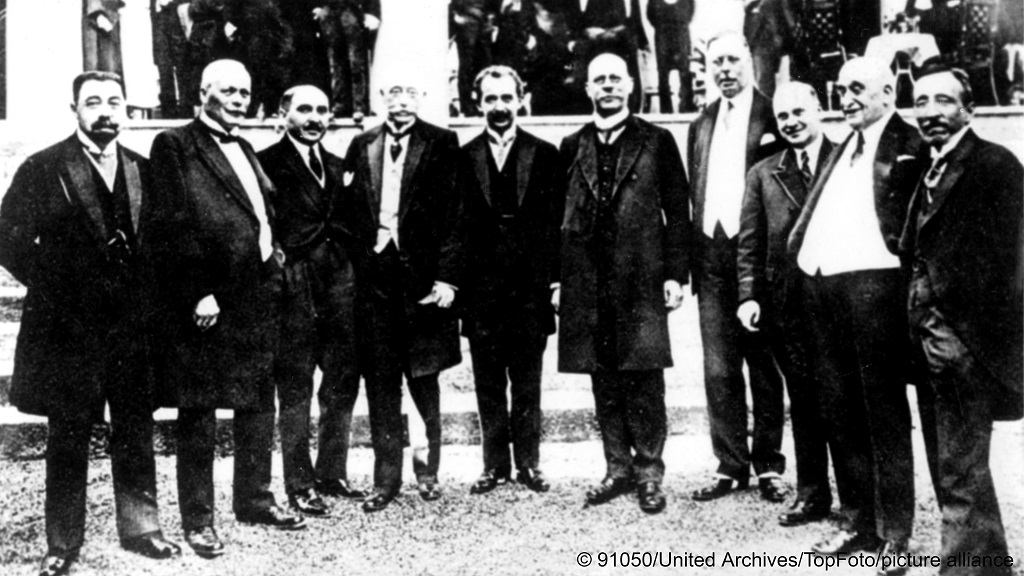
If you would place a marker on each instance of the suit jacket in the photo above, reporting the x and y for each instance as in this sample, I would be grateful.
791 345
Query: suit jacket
651 245
430 231
53 239
509 269
896 170
970 248
774 197
763 140
205 240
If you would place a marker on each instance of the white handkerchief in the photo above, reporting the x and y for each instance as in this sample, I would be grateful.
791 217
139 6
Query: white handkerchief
347 178
767 139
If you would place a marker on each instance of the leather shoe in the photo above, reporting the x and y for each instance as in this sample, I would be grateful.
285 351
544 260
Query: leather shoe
720 488
488 481
892 549
204 542
56 565
378 501
608 489
803 512
652 499
846 542
773 489
152 545
533 479
308 502
273 516
338 487
429 490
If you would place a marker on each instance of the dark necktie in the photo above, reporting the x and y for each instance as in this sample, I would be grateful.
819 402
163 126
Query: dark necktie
859 150
315 165
396 146
931 179
805 168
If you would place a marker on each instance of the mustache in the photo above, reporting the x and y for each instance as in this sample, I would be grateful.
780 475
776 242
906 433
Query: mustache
929 123
104 124
314 125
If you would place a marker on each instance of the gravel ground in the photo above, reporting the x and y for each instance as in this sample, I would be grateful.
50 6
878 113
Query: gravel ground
510 531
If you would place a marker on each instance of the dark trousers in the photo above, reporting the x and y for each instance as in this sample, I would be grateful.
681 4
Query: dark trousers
473 46
955 401
859 348
197 440
672 51
67 468
348 53
726 346
169 45
498 359
630 409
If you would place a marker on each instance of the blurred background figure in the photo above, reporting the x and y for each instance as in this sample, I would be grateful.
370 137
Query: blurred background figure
671 22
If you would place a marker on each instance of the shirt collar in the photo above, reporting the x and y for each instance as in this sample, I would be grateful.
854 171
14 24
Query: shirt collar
614 121
813 150
872 134
216 126
742 101
950 145
392 129
303 148
505 139
93 148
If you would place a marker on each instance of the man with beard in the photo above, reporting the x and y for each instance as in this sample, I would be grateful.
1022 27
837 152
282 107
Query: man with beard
69 232
317 318
405 217
219 271
845 242
624 259
963 237
513 196
769 299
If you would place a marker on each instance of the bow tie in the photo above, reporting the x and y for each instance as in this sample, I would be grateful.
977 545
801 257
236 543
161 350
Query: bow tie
396 134
222 137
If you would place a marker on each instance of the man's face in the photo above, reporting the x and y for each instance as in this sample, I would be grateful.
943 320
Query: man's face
226 99
730 65
798 115
402 102
308 115
100 110
499 102
609 84
938 103
864 95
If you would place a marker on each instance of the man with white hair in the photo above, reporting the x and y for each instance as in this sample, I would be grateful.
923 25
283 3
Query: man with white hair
219 270
845 243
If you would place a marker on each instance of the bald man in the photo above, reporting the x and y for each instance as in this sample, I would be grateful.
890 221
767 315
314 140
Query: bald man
845 243
317 319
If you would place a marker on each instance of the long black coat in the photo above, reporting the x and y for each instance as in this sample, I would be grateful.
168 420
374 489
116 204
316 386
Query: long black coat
205 240
430 231
651 245
971 248
53 239
532 241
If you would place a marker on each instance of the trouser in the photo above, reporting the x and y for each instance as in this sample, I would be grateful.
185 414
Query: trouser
672 51
630 410
348 54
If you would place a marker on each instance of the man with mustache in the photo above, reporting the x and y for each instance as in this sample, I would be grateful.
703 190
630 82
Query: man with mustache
963 238
624 259
513 195
317 316
220 272
769 299
845 242
69 231
730 136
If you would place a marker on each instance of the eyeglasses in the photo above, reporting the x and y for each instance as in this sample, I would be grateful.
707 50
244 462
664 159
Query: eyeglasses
408 90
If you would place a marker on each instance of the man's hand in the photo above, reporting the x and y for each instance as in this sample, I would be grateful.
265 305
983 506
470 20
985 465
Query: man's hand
104 23
673 294
749 314
556 296
206 312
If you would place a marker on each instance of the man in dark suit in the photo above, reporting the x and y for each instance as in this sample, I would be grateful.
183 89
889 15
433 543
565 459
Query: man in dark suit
317 316
69 232
471 26
963 237
350 29
219 273
513 200
740 122
671 22
405 218
776 190
770 26
845 243
609 26
624 259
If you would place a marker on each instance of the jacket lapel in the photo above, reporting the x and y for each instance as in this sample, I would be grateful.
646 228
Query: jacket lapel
417 145
76 178
756 128
310 190
796 237
705 133
790 179
266 185
954 170
133 184
633 137
375 159
586 156
211 154
524 163
478 152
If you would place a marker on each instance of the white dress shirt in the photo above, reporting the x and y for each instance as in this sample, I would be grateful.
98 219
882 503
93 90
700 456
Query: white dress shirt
501 144
813 150
104 160
727 161
616 123
391 190
934 173
304 152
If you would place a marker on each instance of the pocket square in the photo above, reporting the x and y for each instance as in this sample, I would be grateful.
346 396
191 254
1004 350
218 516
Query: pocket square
767 139
347 178
905 157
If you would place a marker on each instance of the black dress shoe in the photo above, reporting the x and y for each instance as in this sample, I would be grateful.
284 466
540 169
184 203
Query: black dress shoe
429 490
56 564
533 479
773 489
378 501
887 564
608 489
846 542
273 516
338 488
204 542
488 481
152 545
652 499
308 502
803 512
720 488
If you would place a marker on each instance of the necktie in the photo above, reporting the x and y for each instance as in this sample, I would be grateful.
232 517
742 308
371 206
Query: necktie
502 151
396 146
805 168
727 120
315 165
859 150
931 179
396 149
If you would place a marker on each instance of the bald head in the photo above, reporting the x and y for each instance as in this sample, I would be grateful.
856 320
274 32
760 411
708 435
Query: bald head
307 113
608 84
225 92
867 91
798 113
